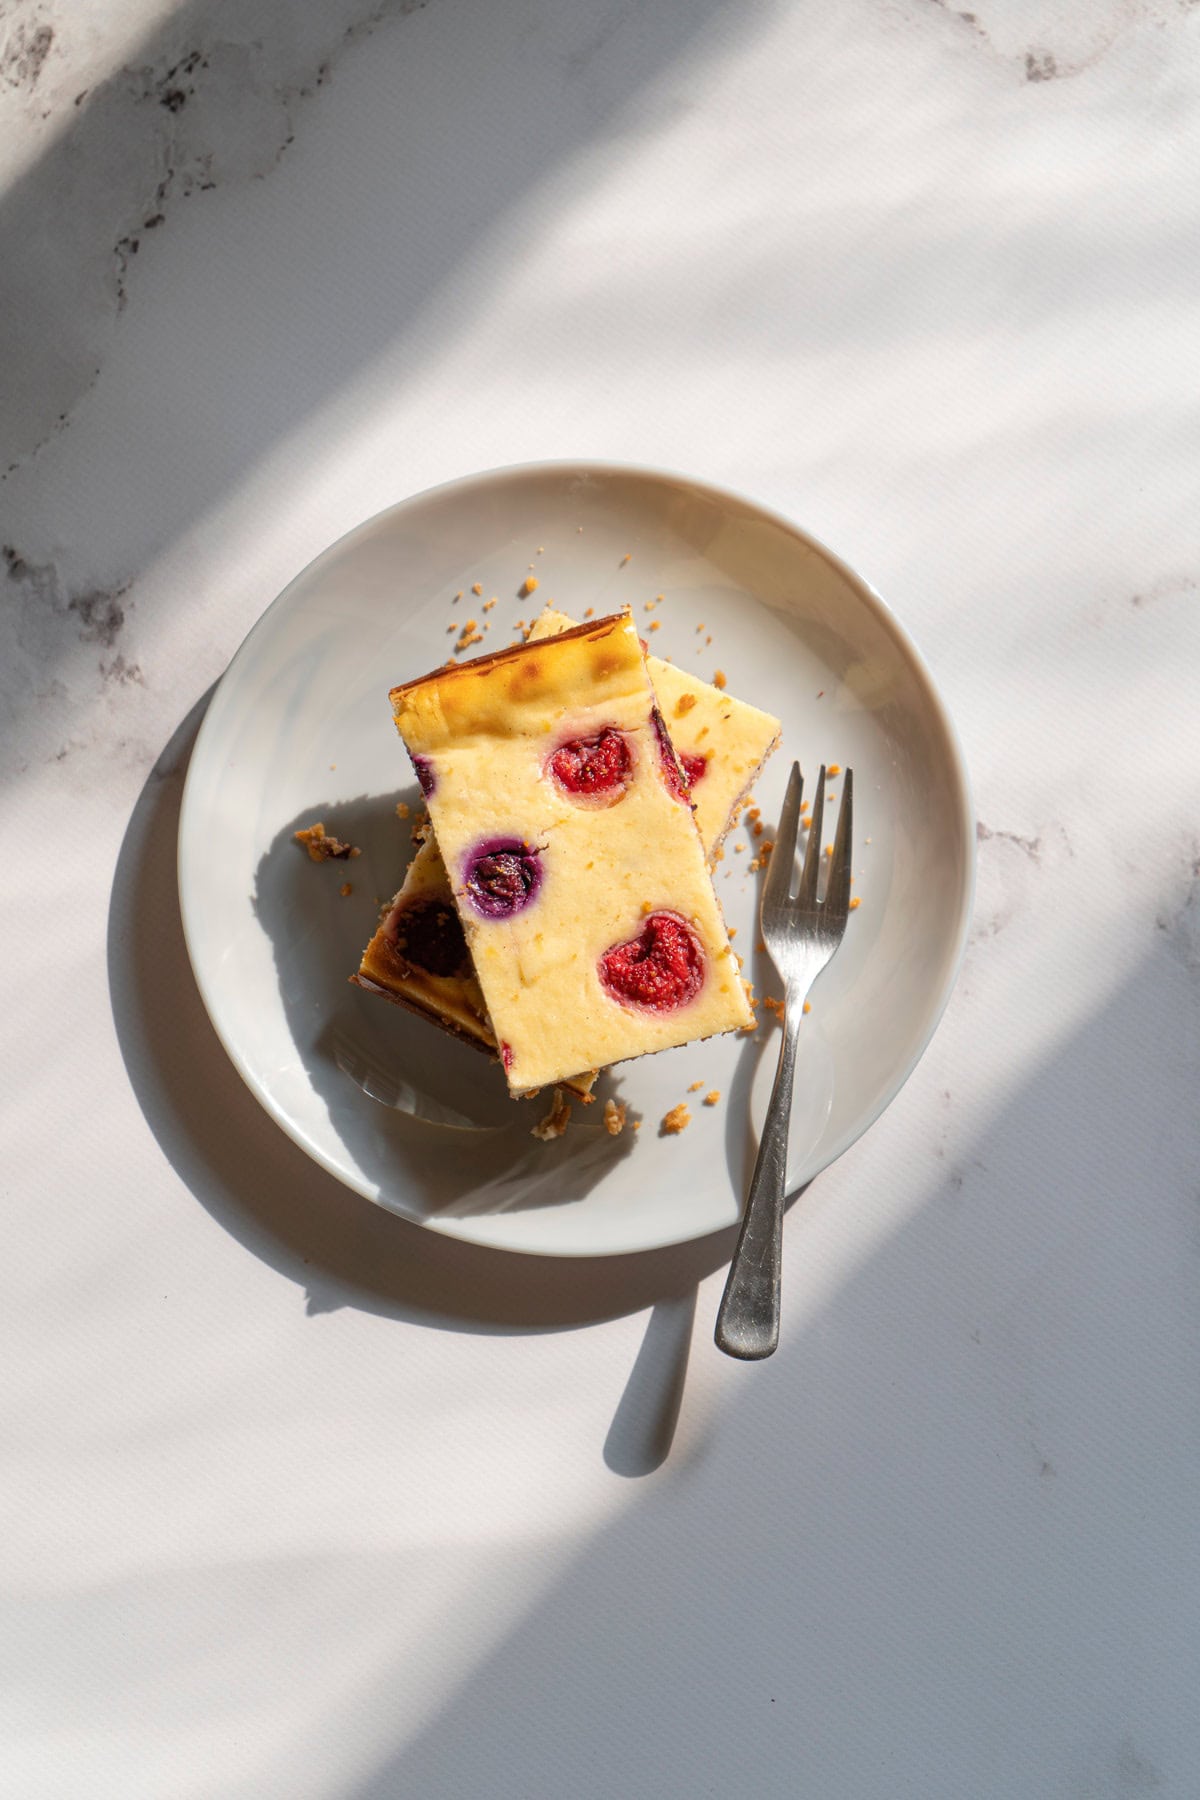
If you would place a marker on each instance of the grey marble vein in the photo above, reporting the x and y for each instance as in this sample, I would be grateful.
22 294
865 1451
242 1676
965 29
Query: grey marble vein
210 98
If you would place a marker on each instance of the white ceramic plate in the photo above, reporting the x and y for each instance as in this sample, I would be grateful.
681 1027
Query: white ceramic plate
300 729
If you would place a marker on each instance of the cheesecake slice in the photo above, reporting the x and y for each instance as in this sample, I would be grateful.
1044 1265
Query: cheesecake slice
562 818
722 743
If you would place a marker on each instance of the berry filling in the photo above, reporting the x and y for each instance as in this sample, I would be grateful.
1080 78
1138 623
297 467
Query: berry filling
430 936
502 877
597 768
660 969
673 776
424 773
694 767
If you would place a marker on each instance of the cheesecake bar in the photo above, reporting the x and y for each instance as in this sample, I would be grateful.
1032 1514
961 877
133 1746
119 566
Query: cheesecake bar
722 743
562 818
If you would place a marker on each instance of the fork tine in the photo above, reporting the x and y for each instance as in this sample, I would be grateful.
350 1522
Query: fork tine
783 857
812 857
837 892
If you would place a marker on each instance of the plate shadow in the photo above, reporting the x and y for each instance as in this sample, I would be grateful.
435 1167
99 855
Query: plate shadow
341 1249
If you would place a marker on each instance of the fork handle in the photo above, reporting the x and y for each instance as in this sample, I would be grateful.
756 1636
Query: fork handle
748 1319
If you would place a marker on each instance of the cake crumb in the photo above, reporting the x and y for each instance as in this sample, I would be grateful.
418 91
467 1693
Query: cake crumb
655 624
402 809
488 604
774 1006
614 1117
808 1006
322 845
677 1120
684 704
556 1120
541 549
711 1098
528 585
719 678
708 640
738 848
626 558
347 887
855 902
834 769
477 587
695 1087
731 933
660 597
457 596
469 638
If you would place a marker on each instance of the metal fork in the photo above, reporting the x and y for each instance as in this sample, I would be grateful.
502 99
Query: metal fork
801 935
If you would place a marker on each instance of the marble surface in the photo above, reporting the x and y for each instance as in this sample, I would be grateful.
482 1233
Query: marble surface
301 1501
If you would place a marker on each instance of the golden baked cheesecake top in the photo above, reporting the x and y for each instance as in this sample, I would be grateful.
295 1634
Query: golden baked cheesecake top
562 818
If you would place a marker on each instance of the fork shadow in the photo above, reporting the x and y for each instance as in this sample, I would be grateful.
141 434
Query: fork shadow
337 1247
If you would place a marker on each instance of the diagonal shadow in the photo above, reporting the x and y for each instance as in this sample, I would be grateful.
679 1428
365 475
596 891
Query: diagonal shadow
369 248
939 1547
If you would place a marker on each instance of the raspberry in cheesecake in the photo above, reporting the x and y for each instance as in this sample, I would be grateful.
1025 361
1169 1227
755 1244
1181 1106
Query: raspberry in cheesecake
419 954
573 857
722 744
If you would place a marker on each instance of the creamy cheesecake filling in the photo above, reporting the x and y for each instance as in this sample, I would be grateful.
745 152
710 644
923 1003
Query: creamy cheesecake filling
550 887
722 744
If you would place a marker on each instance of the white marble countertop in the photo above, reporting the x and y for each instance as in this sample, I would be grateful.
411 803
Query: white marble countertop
301 1501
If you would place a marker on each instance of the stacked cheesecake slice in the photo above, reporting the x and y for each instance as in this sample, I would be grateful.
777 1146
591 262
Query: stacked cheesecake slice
561 912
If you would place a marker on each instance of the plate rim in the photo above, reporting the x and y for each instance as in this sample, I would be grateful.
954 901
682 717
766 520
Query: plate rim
452 1226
